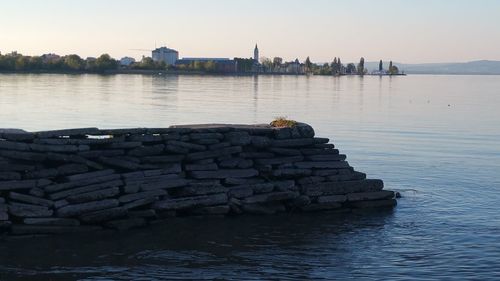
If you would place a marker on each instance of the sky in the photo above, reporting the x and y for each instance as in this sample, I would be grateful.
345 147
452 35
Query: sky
406 31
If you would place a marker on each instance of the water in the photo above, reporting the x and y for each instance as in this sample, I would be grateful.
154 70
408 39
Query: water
436 139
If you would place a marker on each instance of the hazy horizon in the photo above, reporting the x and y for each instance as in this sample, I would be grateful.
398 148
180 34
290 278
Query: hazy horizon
402 31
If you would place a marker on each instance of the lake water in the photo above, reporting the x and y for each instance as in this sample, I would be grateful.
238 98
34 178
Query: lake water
436 139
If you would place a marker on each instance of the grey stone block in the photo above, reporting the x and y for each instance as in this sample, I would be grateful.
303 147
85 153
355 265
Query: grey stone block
82 182
366 196
86 175
71 169
326 157
285 151
119 163
243 181
17 185
293 142
9 145
141 195
176 149
201 136
140 203
270 197
260 141
214 153
68 132
201 167
291 173
103 215
187 145
125 145
256 155
190 202
30 199
85 189
194 190
78 209
340 188
323 165
26 156
238 138
163 159
101 153
51 221
94 195
332 199
310 180
28 211
318 151
147 150
314 207
279 160
226 173
10 176
58 148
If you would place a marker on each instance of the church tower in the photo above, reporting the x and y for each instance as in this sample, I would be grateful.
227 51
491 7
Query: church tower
256 54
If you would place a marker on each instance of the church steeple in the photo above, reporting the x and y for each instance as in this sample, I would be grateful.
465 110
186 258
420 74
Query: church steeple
256 54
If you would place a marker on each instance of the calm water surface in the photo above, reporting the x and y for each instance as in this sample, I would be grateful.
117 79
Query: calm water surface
436 139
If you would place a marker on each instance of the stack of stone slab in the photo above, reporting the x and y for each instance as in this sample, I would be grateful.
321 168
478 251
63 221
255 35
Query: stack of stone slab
88 179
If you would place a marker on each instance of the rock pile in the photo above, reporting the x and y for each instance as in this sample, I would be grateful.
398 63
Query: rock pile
87 179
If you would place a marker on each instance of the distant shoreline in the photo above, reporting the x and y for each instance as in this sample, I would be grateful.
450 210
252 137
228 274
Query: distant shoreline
181 72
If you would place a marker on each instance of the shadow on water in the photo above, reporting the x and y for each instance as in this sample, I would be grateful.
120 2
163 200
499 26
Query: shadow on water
194 248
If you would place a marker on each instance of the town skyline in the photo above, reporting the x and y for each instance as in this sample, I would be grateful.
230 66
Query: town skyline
409 32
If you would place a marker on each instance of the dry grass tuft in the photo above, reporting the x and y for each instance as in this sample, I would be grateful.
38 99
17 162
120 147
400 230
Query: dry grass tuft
283 122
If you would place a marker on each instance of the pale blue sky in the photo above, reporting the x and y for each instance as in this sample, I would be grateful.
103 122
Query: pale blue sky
402 30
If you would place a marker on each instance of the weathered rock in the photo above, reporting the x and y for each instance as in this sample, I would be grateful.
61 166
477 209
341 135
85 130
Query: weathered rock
51 221
194 190
326 157
140 203
85 175
79 183
104 215
318 151
214 153
78 209
321 207
332 199
85 189
141 195
263 209
17 185
238 138
163 159
28 211
285 151
280 160
243 181
9 176
202 167
71 169
14 145
125 145
101 153
58 148
323 165
200 136
176 149
256 155
147 150
226 173
186 203
285 185
214 210
26 156
30 199
293 142
207 141
260 141
310 180
366 196
119 163
37 192
292 173
339 188
187 145
240 192
270 197
94 195
45 173
146 138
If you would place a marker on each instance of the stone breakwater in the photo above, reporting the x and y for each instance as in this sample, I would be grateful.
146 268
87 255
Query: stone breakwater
89 179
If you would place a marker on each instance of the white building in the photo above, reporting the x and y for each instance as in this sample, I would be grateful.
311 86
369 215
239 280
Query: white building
126 61
164 54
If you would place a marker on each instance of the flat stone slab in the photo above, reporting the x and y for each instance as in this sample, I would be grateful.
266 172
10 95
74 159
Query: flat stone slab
226 173
78 209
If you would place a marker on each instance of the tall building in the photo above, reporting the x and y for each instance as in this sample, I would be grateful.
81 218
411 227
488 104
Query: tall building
164 54
256 54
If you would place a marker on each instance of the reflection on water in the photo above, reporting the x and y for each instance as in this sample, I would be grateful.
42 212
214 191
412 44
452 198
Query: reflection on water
434 138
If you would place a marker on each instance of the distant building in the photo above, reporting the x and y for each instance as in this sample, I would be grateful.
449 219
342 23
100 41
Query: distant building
164 54
50 57
256 54
294 67
126 61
